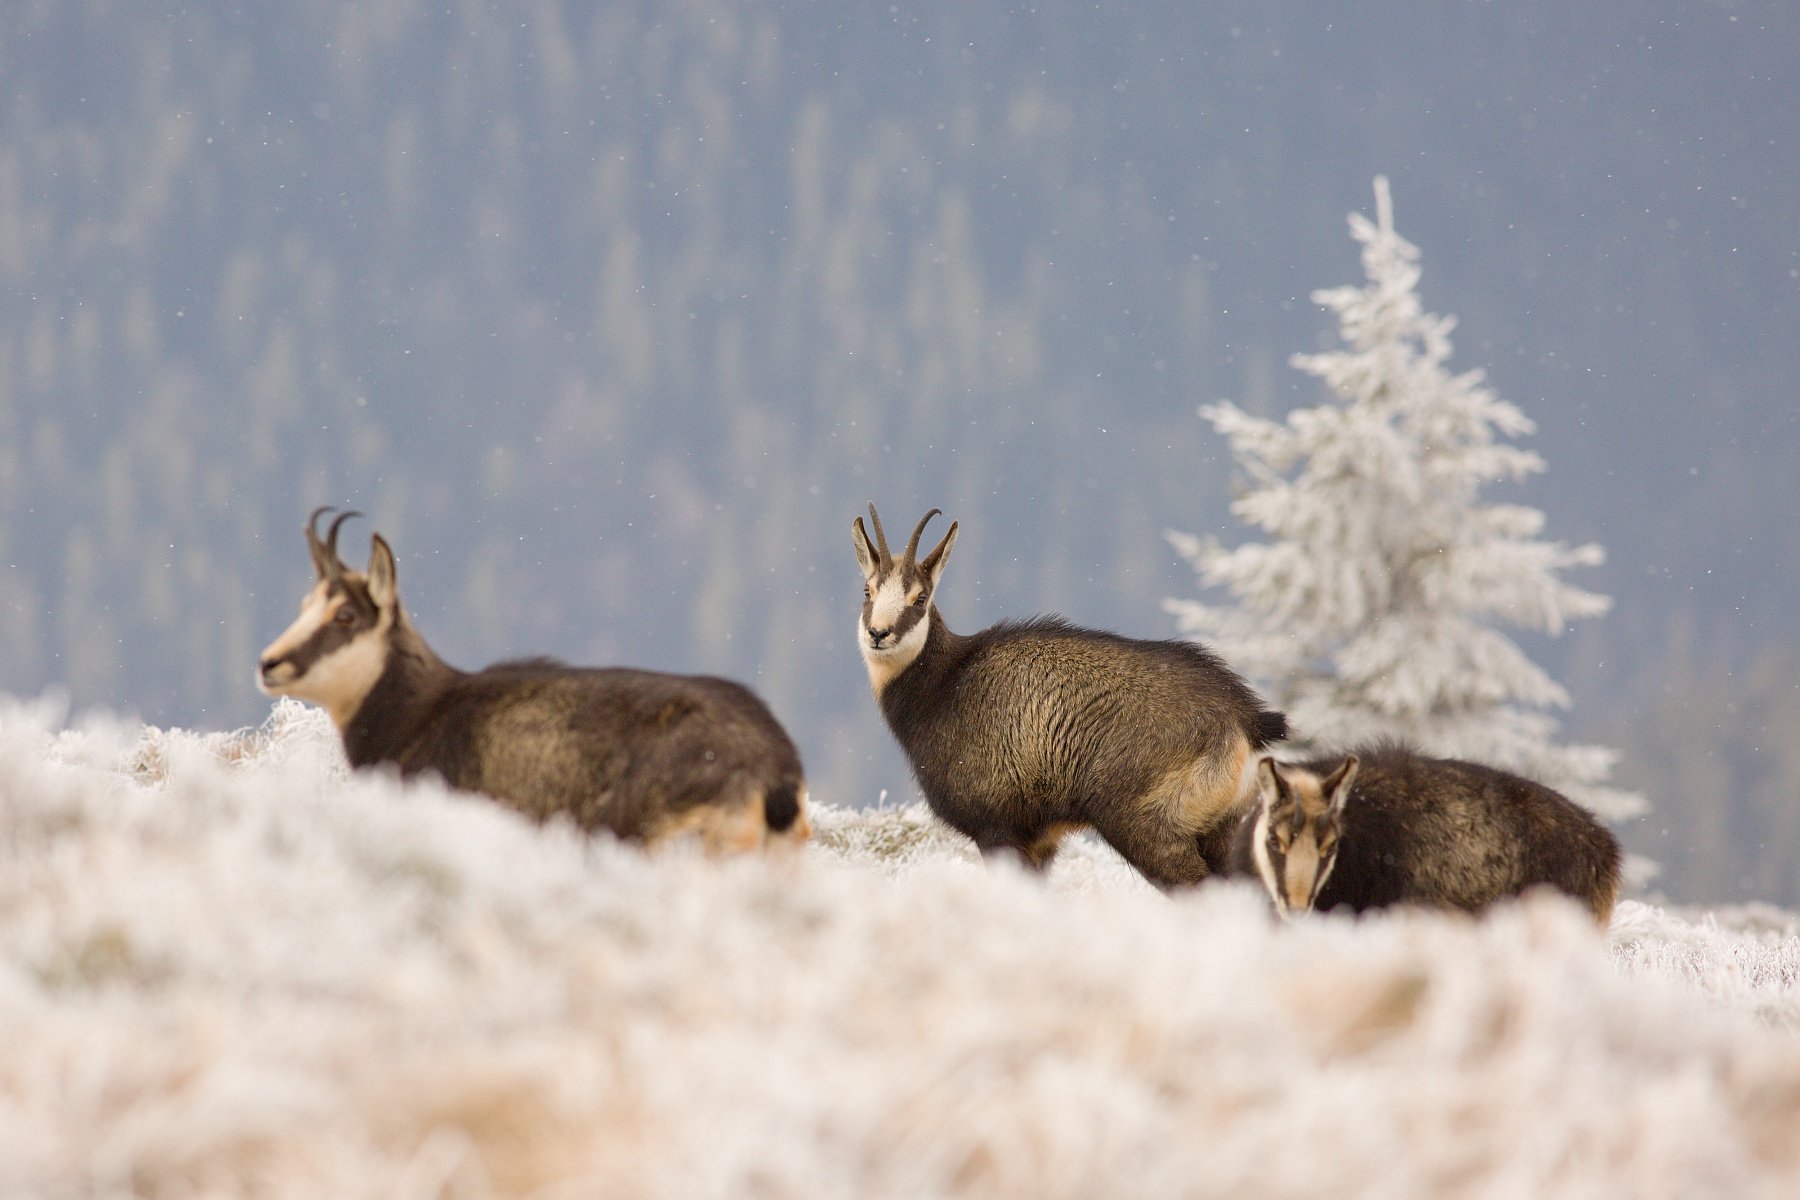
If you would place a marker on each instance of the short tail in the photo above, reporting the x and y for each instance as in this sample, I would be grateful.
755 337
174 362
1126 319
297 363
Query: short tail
781 806
1270 727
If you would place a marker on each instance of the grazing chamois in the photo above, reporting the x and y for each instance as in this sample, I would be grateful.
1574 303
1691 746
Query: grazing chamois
1028 730
1386 825
641 753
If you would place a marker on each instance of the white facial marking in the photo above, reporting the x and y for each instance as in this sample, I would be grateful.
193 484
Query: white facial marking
339 681
1304 868
315 610
1259 850
1325 871
890 603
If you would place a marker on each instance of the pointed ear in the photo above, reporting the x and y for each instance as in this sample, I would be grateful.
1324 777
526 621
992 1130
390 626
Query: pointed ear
1268 782
382 586
933 564
866 556
1337 785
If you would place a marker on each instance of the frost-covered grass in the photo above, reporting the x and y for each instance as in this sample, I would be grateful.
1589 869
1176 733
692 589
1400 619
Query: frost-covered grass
228 968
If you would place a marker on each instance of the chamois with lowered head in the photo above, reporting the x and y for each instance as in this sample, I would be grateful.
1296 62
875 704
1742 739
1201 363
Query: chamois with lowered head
644 754
1028 730
1386 825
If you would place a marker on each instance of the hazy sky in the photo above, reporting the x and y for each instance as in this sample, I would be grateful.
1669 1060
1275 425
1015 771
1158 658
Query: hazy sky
613 316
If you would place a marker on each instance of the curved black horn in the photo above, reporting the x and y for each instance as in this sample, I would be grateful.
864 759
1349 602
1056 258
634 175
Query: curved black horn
324 561
880 536
331 535
912 546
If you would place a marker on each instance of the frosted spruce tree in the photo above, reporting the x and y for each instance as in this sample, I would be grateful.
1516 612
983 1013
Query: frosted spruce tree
1371 609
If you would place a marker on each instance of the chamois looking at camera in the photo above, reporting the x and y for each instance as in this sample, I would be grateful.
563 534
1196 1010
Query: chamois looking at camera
646 755
1028 730
1386 825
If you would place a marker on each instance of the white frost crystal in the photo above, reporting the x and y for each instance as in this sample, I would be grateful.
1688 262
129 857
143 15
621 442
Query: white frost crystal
1371 609
229 968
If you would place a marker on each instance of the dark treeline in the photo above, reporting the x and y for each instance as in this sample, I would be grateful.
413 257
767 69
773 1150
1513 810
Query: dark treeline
613 316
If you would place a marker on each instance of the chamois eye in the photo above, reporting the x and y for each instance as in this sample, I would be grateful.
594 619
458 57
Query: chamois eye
866 592
919 602
345 615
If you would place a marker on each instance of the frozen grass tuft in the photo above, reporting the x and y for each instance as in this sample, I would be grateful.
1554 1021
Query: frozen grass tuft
228 967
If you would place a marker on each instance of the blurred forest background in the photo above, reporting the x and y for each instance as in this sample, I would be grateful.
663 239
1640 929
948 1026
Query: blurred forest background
611 317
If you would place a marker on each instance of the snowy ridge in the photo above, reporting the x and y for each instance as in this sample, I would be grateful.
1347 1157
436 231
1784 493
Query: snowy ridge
227 967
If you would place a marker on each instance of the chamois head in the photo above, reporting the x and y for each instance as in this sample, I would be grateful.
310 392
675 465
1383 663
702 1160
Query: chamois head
337 649
897 595
1297 828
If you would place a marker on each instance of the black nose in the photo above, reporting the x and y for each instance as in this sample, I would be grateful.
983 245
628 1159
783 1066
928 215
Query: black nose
878 636
269 664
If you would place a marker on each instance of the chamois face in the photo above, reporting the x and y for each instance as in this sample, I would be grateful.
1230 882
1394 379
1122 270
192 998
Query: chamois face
334 653
897 598
1297 826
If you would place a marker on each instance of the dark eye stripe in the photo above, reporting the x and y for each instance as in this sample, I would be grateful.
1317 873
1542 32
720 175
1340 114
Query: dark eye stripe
909 616
324 640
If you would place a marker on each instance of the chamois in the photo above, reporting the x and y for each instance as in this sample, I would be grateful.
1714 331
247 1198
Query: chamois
644 754
1028 730
1386 825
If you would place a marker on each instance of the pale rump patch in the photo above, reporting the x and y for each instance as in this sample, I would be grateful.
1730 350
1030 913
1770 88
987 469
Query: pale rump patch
720 828
1193 796
1245 792
739 827
800 832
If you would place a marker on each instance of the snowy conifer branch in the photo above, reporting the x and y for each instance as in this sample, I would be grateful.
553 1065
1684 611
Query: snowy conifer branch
1370 611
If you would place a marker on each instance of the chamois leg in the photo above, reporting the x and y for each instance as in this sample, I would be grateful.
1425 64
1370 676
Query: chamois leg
1006 852
1042 849
1164 854
1033 851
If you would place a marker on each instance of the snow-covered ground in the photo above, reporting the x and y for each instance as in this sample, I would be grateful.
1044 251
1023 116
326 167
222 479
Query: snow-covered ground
227 968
